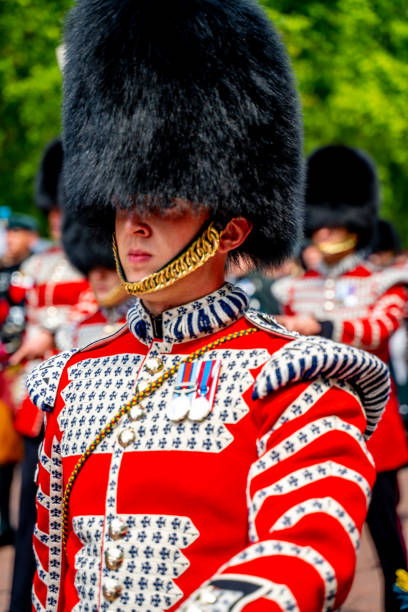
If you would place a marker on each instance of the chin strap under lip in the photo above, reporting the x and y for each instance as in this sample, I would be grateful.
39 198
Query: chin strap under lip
195 255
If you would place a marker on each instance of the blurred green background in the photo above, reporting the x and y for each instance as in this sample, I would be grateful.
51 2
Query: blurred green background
350 58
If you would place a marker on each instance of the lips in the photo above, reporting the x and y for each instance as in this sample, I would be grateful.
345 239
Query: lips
138 256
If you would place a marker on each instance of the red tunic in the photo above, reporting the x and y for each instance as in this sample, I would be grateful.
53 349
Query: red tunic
56 293
363 306
258 506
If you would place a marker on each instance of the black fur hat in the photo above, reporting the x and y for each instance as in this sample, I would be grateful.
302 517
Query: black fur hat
47 182
342 191
84 252
191 99
386 238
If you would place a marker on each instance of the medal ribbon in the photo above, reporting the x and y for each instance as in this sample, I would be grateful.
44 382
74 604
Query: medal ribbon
125 409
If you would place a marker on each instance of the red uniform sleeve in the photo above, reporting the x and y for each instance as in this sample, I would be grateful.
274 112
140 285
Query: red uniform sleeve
308 494
384 318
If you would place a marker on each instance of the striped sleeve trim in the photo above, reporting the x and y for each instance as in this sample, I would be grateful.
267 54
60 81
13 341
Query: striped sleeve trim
302 478
309 358
273 548
302 404
326 505
302 438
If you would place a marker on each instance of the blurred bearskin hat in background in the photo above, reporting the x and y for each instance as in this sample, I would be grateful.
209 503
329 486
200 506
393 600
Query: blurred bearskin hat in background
190 99
48 178
342 191
84 252
386 238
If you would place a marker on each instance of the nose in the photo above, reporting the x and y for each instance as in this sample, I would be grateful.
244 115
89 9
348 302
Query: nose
136 225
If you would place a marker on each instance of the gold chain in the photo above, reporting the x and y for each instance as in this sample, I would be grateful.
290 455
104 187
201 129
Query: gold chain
194 257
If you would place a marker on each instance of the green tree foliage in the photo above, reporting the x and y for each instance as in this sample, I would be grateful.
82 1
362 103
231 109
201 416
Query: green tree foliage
351 61
30 92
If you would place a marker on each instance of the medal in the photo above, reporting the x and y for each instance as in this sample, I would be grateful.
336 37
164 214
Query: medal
200 406
200 409
180 405
194 391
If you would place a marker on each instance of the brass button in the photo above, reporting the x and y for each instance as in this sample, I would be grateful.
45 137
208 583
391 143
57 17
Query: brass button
136 413
154 365
114 556
111 589
126 437
118 528
141 385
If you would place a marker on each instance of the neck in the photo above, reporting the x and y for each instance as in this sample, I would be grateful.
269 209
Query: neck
203 281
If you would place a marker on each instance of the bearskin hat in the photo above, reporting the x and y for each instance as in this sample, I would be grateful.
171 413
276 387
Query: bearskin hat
48 179
342 191
84 252
190 99
386 238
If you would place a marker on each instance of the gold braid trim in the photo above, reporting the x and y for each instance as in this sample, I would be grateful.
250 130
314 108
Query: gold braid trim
334 248
197 254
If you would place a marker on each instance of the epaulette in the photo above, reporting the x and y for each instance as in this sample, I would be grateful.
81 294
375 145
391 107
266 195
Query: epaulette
42 382
307 358
268 323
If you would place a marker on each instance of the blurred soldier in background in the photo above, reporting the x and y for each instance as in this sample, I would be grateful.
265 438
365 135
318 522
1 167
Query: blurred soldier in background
58 294
96 262
20 235
351 301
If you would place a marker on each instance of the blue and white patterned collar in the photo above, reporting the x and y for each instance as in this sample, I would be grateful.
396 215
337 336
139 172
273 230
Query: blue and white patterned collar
193 320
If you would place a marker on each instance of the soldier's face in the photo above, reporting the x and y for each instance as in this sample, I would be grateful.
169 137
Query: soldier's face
147 243
102 281
19 242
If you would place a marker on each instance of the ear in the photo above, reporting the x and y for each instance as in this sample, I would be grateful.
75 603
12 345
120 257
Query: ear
234 234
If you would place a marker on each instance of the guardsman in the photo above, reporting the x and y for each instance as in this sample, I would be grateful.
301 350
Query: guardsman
203 458
355 302
96 263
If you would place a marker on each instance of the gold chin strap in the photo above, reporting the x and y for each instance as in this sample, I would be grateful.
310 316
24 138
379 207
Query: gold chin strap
195 256
335 248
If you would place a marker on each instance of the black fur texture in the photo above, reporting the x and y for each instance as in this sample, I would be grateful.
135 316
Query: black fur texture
47 182
84 252
190 99
386 238
342 191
